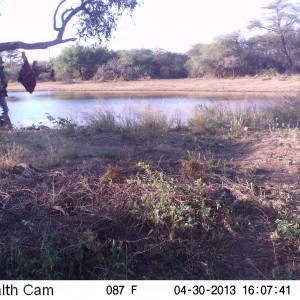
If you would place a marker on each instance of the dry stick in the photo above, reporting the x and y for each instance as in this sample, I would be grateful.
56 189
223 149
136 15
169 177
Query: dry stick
53 191
248 260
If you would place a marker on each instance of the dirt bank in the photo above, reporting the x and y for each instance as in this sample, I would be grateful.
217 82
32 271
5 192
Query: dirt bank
259 85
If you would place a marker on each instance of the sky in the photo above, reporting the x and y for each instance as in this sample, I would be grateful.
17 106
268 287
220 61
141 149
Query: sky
172 25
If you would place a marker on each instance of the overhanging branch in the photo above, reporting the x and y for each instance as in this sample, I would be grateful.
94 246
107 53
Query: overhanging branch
96 17
33 46
66 16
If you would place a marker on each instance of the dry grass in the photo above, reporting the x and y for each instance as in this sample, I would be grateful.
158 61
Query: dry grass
10 156
195 206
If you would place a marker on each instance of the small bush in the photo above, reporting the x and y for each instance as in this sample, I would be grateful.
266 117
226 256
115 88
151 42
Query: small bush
205 119
151 122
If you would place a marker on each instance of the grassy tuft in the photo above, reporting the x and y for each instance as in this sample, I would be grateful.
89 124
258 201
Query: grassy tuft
10 156
286 114
103 120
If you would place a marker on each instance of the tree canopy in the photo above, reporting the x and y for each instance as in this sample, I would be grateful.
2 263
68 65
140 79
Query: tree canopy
281 24
77 61
274 48
93 18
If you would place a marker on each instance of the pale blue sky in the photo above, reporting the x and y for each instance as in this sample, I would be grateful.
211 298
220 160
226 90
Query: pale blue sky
173 25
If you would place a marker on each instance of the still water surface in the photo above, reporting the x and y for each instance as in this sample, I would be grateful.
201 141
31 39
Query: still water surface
27 109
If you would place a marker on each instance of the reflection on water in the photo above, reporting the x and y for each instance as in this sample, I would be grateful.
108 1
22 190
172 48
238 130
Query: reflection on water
27 109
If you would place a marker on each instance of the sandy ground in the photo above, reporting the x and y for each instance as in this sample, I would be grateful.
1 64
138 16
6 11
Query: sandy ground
259 85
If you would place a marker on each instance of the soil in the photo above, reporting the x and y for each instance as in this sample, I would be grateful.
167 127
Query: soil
266 162
260 86
276 158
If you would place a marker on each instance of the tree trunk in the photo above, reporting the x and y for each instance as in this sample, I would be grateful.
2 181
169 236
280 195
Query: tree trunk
286 53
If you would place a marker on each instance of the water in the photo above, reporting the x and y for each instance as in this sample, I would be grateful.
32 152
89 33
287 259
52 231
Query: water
27 109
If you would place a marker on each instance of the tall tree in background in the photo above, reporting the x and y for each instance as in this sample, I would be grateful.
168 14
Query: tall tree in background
94 18
223 57
281 24
79 61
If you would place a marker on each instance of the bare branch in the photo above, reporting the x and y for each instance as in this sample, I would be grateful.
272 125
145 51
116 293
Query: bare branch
31 46
100 20
55 15
67 15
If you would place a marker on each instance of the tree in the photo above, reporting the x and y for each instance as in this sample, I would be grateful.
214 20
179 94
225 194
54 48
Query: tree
94 18
221 58
143 64
169 65
282 23
114 69
139 60
79 61
261 54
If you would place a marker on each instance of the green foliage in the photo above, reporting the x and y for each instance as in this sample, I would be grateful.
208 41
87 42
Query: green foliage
58 261
101 64
289 224
169 65
79 61
275 49
99 18
232 55
171 206
67 126
92 18
143 64
281 23
221 58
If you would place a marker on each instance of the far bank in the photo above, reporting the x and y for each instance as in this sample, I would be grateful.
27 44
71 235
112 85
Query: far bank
258 85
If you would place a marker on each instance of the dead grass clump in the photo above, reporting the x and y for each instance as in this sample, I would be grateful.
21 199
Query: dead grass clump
205 119
103 120
132 123
10 156
286 114
194 166
146 122
112 174
215 119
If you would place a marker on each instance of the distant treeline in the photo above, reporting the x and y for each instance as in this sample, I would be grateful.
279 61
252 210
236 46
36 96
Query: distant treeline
276 49
102 64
